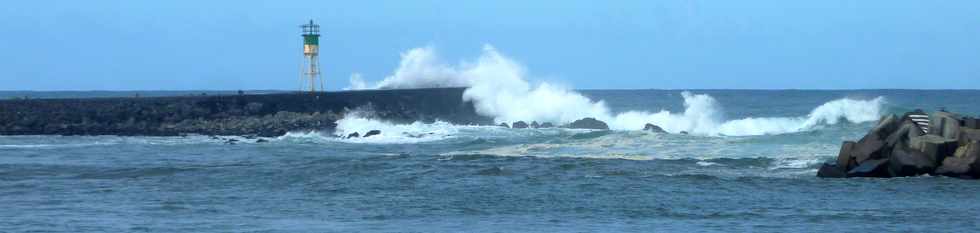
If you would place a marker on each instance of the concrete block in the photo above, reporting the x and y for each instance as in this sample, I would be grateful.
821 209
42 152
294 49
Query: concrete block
968 135
971 122
844 159
934 146
945 124
871 168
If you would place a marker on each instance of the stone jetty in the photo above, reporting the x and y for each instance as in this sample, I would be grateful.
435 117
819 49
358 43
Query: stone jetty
242 114
916 143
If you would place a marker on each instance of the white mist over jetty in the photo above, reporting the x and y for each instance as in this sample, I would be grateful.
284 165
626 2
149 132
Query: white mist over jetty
499 88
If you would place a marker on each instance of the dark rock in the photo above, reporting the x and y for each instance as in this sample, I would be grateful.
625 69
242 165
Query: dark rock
844 159
261 140
968 135
964 164
907 162
504 125
519 125
534 124
587 123
372 133
266 115
971 123
935 147
870 168
828 170
653 128
902 134
547 125
354 135
869 147
683 132
886 126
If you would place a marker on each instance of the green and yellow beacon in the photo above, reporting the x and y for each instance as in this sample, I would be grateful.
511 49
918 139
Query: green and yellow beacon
311 57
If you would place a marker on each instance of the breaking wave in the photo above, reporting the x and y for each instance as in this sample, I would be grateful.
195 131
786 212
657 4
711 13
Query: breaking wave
499 88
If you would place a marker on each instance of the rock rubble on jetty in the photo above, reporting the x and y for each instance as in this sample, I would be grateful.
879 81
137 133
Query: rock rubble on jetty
941 143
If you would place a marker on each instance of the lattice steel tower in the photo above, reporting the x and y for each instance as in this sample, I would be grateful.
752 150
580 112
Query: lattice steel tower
311 57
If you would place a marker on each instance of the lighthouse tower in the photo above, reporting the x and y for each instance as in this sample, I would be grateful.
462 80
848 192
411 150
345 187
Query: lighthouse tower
311 58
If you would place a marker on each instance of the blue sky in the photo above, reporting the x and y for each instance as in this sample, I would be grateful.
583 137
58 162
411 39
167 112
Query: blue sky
181 45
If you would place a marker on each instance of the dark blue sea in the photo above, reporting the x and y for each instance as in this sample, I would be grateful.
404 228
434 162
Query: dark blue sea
745 161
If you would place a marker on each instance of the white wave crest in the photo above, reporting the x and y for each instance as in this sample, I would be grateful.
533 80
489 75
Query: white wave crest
392 133
702 115
498 88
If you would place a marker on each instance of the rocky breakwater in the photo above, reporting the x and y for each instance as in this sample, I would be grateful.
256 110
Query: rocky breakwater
941 143
243 114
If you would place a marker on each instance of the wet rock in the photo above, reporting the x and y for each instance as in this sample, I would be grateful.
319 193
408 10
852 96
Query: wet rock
261 140
870 168
519 125
829 170
968 135
869 147
587 123
354 135
935 147
547 125
907 162
266 115
844 159
903 134
534 124
653 128
504 125
971 123
886 126
963 164
372 133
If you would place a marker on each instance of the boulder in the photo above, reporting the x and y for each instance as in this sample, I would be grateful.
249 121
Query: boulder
372 133
870 168
653 128
354 135
829 170
906 130
844 159
504 125
963 164
935 147
534 124
869 147
971 123
519 125
547 125
588 123
886 126
908 162
261 140
968 135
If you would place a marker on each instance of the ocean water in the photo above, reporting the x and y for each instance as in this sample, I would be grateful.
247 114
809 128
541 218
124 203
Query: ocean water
748 163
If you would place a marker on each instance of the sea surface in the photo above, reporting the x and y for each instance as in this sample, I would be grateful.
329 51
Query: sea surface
749 164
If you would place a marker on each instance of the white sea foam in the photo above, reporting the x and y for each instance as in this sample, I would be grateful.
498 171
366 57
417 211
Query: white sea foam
392 133
498 87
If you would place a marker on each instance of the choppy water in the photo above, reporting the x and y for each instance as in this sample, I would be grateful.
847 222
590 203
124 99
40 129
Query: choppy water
445 178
